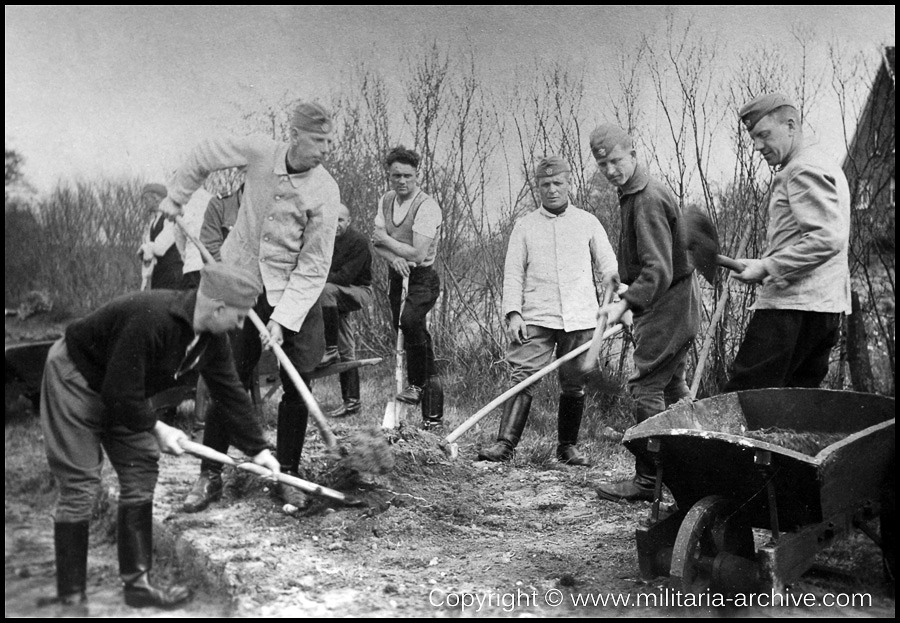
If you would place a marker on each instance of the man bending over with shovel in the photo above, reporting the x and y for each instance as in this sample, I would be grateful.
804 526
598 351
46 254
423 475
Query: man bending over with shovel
96 382
284 235
663 293
550 302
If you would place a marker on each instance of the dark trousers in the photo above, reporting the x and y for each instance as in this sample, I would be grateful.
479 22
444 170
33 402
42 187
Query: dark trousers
785 348
304 348
424 288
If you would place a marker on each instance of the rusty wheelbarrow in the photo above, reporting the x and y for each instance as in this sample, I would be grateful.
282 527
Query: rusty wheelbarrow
752 515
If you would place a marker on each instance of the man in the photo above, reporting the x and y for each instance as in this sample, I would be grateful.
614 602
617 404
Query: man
159 253
550 303
407 230
663 293
219 219
284 235
96 382
804 270
194 211
348 289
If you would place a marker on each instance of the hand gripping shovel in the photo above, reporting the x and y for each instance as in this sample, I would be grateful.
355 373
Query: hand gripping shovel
395 411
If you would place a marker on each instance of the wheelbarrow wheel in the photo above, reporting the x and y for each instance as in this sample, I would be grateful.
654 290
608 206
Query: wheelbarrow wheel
714 548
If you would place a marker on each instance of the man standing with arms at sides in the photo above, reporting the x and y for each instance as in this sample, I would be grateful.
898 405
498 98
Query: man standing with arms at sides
284 234
550 304
663 293
804 271
407 230
348 289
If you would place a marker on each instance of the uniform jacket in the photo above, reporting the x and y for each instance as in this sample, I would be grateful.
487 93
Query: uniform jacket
285 228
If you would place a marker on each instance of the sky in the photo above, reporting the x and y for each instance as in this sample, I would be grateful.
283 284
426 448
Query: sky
96 92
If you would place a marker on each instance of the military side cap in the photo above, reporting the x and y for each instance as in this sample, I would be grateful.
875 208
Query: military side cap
759 107
605 137
551 165
312 117
156 189
233 286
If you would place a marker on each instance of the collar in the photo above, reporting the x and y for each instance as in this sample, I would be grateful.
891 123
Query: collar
182 306
280 168
637 183
547 213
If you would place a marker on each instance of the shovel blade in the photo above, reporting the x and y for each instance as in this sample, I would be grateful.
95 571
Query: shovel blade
393 414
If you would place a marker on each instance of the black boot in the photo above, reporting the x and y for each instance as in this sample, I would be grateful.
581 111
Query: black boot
515 415
332 321
135 540
349 395
206 490
71 544
433 405
571 410
641 488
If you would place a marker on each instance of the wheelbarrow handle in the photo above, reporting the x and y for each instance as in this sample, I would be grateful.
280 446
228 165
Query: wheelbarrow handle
205 452
319 418
499 400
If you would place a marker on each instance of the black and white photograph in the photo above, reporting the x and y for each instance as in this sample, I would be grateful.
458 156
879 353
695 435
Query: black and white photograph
426 311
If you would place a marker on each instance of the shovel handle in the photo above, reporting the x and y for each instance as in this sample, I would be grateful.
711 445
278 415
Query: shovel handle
319 418
597 340
499 400
205 452
730 264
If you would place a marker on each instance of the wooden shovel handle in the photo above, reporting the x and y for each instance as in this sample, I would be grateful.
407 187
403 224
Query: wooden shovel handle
499 400
205 452
597 340
730 264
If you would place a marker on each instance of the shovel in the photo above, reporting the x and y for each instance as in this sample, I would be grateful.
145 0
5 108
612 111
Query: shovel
395 411
597 340
449 445
204 452
702 243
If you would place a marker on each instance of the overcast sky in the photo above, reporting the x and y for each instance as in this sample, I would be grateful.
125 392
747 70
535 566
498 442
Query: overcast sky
107 91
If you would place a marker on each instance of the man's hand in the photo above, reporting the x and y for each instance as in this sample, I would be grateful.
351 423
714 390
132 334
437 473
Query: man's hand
268 461
275 337
611 281
170 209
379 237
169 438
146 252
516 329
614 312
754 271
402 266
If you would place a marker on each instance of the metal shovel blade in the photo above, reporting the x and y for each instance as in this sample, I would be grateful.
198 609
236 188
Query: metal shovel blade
701 241
394 412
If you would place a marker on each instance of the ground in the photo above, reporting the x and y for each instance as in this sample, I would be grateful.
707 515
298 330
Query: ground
434 537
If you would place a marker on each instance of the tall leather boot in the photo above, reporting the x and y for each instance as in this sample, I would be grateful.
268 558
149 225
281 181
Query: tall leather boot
349 395
571 411
293 418
332 321
71 543
433 405
135 541
642 486
515 415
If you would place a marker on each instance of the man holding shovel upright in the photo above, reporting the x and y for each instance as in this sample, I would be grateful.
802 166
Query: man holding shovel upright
407 230
94 394
804 272
284 235
550 302
663 293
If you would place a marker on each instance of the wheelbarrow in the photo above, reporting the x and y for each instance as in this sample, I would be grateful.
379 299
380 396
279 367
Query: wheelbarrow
751 515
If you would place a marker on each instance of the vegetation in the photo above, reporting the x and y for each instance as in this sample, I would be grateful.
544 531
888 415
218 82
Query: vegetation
673 91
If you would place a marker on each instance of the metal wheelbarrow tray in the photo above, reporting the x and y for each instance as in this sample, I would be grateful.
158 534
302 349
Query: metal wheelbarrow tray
726 484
